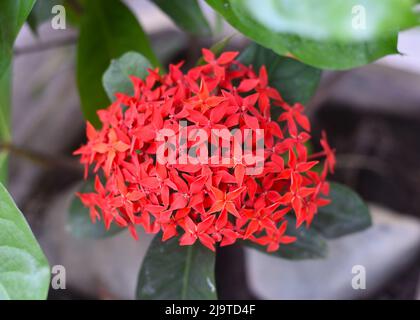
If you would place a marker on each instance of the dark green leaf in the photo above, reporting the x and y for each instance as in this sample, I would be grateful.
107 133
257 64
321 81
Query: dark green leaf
309 244
5 103
170 271
41 12
333 20
324 53
81 226
117 76
24 270
13 14
346 214
33 22
108 30
186 14
74 11
295 81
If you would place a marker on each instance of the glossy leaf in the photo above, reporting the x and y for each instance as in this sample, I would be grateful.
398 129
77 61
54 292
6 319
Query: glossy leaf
323 53
186 14
256 32
309 244
81 226
330 55
347 213
170 271
108 29
331 20
117 76
295 81
13 14
24 270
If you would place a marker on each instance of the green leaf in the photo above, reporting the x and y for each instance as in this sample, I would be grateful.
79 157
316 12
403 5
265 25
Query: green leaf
309 244
187 15
171 271
256 32
347 213
108 29
24 270
322 53
333 20
337 56
74 11
13 14
80 225
41 12
5 102
117 76
295 81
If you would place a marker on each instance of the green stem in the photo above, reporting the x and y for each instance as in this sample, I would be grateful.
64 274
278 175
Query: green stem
186 273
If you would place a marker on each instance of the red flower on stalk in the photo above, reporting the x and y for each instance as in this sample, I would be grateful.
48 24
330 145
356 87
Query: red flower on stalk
212 203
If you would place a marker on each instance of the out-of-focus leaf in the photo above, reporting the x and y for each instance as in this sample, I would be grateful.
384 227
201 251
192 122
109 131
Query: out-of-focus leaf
74 11
255 32
108 29
295 81
41 12
187 15
24 270
117 76
170 271
341 56
5 103
321 53
330 20
346 214
13 14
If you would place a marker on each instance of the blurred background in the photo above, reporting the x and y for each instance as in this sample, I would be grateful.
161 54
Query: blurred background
371 114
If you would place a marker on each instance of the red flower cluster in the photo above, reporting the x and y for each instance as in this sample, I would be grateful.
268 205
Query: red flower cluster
212 203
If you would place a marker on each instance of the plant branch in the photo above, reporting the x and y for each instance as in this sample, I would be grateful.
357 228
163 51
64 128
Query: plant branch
41 159
47 45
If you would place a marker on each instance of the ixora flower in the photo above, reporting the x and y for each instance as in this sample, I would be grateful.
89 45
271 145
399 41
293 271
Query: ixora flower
200 195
